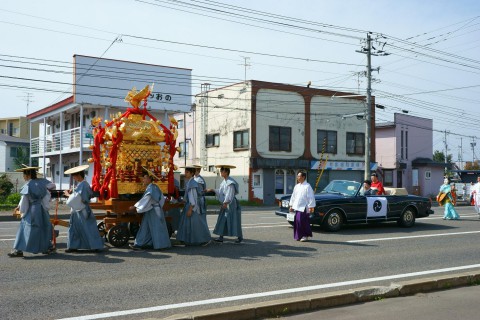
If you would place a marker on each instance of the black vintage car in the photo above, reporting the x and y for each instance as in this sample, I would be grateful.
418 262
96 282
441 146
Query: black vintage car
342 202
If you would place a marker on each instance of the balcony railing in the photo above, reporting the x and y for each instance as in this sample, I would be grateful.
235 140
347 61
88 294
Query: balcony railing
65 141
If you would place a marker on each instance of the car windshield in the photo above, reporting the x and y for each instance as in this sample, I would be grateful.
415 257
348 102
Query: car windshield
346 188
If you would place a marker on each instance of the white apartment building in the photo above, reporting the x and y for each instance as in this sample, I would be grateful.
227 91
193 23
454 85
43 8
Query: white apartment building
100 86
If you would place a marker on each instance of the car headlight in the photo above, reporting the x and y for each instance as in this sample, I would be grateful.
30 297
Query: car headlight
285 203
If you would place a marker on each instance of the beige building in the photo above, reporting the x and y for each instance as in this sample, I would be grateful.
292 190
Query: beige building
18 127
270 131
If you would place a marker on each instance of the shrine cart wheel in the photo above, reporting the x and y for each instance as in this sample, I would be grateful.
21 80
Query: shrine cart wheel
133 227
101 229
118 235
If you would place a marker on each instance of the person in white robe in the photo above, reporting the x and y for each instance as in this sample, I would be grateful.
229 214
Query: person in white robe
34 235
153 232
193 228
476 196
229 221
83 232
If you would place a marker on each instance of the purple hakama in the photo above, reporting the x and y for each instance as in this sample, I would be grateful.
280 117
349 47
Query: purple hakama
301 225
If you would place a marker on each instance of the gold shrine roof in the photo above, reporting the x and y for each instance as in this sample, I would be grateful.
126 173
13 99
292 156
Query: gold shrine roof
134 128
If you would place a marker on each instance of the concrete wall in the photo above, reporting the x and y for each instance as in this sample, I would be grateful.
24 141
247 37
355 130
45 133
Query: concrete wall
386 153
283 109
228 112
340 115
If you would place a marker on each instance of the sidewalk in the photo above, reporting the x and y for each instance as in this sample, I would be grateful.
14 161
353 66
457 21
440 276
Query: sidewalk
312 303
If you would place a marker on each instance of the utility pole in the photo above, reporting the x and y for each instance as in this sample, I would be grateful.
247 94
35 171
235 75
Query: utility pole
369 104
205 87
27 98
473 144
460 154
246 64
446 150
368 108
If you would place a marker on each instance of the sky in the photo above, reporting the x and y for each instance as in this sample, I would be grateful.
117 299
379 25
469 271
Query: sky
432 69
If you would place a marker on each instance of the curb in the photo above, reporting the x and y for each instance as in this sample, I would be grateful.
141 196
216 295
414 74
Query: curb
315 302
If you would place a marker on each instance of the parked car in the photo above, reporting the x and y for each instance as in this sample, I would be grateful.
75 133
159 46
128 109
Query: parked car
342 202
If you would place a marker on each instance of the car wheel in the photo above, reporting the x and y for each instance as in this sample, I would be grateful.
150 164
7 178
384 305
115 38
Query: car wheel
407 218
333 221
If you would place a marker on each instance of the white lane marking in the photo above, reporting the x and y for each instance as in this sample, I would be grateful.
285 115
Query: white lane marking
260 223
411 237
271 226
441 217
282 225
13 239
268 293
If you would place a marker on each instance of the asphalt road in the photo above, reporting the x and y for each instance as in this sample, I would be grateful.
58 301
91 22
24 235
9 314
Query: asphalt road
122 284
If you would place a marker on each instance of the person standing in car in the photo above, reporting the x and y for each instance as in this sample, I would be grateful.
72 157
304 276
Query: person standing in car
302 202
376 184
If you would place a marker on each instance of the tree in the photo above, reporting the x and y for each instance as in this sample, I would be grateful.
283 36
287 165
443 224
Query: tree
439 156
6 186
23 157
472 165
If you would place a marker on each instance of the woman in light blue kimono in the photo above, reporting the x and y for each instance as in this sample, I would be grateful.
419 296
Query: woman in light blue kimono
83 232
34 235
446 199
229 222
153 232
193 228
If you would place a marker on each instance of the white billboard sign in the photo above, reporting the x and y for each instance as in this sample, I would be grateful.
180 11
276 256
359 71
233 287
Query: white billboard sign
106 82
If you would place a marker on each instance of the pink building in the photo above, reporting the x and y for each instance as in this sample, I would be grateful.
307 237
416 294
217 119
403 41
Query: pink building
404 151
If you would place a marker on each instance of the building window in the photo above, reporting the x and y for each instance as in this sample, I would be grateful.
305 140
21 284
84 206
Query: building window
355 143
285 181
240 139
401 144
330 138
428 175
279 182
180 124
257 180
388 178
14 152
183 150
291 180
280 138
213 140
406 145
